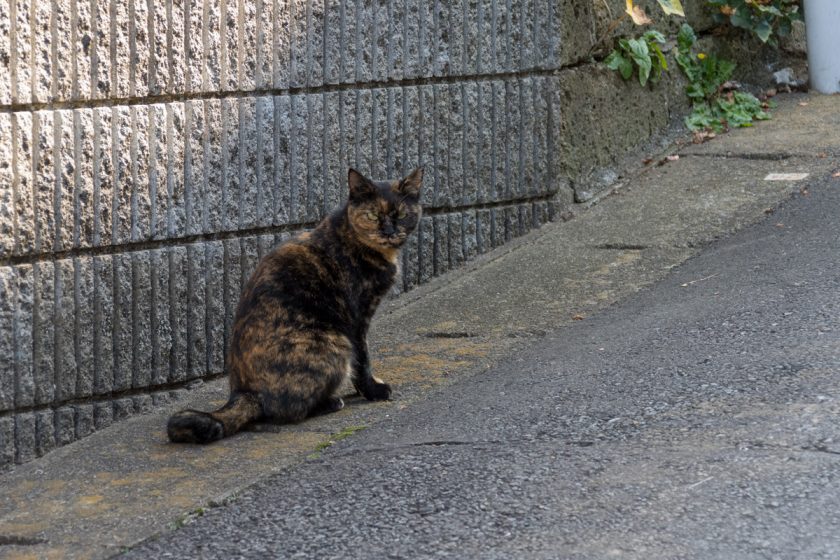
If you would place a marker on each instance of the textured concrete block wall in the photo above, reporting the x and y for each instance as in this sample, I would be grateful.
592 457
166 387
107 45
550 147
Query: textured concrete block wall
152 151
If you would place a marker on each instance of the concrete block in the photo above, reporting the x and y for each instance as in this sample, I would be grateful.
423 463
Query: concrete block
8 283
196 334
214 265
281 40
425 130
212 32
83 189
362 41
22 334
440 39
80 51
122 321
334 149
426 248
540 155
265 244
65 425
539 213
471 156
442 193
103 324
84 296
511 217
178 301
7 193
498 130
248 44
103 177
346 37
44 162
456 240
21 70
554 132
411 263
175 140
141 313
42 60
231 156
23 209
24 437
483 231
120 50
141 50
378 135
297 44
249 188
315 188
315 19
214 167
103 415
123 408
177 61
264 161
458 14
526 138
299 117
160 399
161 326
7 441
264 19
100 50
65 330
408 130
43 331
65 170
497 227
142 404
397 39
195 186
249 257
230 44
158 76
484 143
513 139
282 194
141 200
469 228
456 140
44 431
122 132
364 131
84 420
525 219
441 245
232 286
5 57
194 45
397 147
378 38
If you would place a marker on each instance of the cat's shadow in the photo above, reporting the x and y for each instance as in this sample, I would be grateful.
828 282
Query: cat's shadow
315 422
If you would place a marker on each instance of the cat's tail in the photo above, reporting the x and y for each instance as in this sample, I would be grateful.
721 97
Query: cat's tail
193 426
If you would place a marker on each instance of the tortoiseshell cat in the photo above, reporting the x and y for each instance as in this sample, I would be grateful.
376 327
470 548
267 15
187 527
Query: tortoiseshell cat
302 320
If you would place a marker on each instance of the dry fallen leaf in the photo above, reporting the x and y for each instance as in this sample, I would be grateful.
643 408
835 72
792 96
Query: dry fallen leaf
822 155
637 14
578 317
804 191
768 210
836 175
780 225
803 103
673 157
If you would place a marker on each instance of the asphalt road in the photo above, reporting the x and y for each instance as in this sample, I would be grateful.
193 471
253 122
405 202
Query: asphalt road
700 418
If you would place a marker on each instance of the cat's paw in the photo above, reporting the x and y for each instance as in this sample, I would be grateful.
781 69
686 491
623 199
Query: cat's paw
377 391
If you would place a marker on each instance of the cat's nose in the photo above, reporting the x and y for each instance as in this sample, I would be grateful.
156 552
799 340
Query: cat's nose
388 230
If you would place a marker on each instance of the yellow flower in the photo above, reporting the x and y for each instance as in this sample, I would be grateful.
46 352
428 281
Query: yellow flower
701 56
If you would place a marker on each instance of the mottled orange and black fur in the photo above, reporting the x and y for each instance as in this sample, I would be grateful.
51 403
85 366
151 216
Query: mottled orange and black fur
302 320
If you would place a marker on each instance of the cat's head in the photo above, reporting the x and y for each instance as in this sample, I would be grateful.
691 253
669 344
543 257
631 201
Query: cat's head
384 213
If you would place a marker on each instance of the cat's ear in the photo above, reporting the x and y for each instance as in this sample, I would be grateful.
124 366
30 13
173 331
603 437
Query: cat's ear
410 185
360 186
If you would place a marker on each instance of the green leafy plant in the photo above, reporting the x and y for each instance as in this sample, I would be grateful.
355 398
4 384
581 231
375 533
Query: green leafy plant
716 104
645 53
767 19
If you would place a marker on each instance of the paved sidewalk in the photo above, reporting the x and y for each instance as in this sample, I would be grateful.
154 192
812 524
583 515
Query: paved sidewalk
119 486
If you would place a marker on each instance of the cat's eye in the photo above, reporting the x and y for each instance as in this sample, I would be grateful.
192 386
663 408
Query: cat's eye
371 216
402 213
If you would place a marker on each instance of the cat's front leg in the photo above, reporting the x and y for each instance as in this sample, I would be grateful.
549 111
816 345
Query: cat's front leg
370 387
